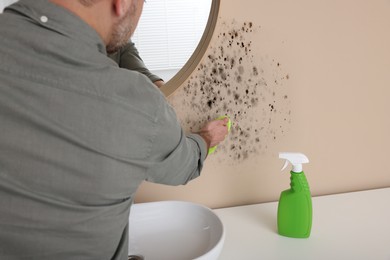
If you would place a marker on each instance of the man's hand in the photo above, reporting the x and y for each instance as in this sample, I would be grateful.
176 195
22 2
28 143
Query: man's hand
214 132
159 83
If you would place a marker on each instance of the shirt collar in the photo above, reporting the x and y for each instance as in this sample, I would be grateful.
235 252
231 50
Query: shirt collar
59 19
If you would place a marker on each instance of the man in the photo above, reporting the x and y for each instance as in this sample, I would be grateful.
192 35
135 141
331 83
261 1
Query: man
78 134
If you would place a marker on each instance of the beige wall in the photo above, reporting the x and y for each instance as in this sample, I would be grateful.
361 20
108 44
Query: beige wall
314 77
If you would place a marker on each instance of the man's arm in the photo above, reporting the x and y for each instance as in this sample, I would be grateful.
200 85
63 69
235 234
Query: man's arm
175 157
128 58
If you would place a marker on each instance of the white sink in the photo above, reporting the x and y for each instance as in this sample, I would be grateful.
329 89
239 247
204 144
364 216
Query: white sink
174 230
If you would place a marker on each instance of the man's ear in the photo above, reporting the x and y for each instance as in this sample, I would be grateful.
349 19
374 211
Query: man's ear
117 7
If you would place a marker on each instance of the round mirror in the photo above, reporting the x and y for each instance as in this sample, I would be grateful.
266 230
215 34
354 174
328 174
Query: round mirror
172 37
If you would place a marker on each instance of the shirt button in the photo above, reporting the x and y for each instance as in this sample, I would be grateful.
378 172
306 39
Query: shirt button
44 19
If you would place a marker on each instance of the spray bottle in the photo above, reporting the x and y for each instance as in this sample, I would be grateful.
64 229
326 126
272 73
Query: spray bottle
295 207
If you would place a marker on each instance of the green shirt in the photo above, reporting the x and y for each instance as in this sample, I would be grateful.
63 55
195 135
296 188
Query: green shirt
77 137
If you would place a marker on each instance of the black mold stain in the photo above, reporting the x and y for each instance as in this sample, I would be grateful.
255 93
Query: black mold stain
249 89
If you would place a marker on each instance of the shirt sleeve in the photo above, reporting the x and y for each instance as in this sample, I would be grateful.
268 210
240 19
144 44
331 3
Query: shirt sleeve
176 158
128 58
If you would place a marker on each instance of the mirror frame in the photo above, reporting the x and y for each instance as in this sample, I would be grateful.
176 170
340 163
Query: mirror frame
184 73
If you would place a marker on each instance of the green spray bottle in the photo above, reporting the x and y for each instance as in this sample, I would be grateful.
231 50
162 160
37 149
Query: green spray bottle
295 207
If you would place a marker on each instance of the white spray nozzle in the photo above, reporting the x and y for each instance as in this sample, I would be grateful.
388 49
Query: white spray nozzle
296 160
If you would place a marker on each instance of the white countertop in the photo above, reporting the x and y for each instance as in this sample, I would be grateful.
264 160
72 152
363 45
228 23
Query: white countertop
346 226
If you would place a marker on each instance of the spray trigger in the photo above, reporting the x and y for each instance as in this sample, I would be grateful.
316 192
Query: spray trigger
285 165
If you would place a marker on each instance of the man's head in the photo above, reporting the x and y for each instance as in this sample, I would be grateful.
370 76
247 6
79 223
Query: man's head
114 20
125 26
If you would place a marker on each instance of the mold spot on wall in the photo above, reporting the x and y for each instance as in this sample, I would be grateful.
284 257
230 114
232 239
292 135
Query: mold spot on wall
234 79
